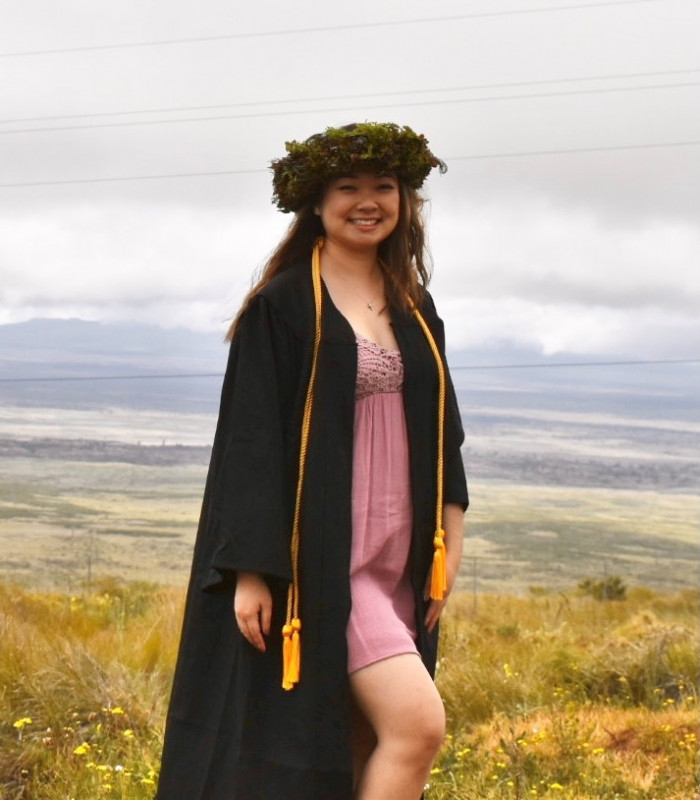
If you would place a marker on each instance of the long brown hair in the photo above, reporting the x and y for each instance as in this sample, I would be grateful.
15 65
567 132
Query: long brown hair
403 255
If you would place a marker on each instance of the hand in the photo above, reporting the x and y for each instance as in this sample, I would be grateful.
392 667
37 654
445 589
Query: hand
252 607
453 522
436 607
433 614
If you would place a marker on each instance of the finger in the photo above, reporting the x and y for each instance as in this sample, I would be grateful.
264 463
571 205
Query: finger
433 614
250 628
256 637
266 617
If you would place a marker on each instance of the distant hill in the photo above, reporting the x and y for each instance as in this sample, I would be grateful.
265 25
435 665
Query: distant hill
73 363
60 345
76 363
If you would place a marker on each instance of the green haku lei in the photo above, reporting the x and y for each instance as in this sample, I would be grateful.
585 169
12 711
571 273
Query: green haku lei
380 147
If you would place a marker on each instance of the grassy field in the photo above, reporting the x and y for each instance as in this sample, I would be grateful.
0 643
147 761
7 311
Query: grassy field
554 696
65 522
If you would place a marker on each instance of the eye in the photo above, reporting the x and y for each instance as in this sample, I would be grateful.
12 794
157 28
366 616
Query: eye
386 183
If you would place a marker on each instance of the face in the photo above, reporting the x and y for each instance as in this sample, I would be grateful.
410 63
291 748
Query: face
360 211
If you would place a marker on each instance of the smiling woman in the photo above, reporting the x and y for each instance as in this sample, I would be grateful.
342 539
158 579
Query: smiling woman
334 506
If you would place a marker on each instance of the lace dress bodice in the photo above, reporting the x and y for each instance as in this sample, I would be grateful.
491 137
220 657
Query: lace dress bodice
378 369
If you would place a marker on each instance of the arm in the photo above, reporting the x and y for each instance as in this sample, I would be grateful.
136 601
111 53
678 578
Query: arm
453 523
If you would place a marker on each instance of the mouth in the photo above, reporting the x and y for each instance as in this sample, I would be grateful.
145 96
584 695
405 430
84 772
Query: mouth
363 222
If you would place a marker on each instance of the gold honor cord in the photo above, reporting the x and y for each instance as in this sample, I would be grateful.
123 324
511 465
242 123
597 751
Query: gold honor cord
291 631
438 573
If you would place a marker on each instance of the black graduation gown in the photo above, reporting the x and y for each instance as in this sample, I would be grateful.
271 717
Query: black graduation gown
232 732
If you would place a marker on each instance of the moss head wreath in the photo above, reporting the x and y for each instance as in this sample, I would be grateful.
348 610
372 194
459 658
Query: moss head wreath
381 147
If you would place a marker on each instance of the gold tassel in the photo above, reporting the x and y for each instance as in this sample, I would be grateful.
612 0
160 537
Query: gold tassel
438 575
295 660
286 657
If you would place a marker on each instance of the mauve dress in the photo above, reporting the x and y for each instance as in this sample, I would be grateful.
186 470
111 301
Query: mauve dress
382 618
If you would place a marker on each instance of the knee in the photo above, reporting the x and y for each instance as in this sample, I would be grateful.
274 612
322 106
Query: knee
433 733
427 734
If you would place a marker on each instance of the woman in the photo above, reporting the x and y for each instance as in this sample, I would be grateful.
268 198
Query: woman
334 502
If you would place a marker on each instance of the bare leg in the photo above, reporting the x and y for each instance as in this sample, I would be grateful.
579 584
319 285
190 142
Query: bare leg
364 741
399 700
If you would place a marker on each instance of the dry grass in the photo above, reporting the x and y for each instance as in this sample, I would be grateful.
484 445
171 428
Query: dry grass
547 697
569 697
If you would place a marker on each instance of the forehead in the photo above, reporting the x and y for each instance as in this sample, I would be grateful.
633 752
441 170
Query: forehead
368 176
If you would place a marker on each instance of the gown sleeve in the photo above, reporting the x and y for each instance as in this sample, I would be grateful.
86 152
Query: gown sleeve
245 521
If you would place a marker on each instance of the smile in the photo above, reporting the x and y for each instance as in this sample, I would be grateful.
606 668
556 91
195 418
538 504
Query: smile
365 223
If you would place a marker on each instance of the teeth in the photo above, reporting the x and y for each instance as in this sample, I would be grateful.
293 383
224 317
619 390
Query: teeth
366 222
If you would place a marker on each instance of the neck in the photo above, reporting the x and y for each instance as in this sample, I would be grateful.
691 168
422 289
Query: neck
362 264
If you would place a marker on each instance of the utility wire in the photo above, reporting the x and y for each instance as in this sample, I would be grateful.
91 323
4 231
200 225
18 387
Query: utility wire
471 367
530 153
82 378
484 156
477 367
322 29
326 98
289 112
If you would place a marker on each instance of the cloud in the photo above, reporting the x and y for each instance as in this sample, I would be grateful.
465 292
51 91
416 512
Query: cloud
593 250
533 275
132 262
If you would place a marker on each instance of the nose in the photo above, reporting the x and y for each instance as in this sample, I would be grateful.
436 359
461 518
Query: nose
367 200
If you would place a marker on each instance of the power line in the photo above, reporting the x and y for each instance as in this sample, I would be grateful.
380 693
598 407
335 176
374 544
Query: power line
83 378
531 153
326 98
471 367
484 156
131 178
322 29
289 112
477 367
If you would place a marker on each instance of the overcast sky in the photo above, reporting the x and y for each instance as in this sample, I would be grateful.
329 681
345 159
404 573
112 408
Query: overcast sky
569 219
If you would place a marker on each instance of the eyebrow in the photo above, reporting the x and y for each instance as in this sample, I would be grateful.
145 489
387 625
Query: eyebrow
356 175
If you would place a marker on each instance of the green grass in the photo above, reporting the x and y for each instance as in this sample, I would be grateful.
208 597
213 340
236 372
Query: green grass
551 696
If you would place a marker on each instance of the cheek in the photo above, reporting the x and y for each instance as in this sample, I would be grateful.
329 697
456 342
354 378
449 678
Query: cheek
329 209
395 209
